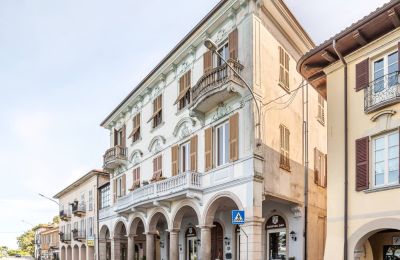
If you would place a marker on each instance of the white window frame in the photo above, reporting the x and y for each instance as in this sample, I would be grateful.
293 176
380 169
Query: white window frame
119 187
385 58
90 200
386 160
225 45
224 146
184 158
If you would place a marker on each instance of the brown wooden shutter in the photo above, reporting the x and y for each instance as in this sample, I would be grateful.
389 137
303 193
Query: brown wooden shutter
233 44
193 153
234 137
326 170
115 190
317 166
207 61
123 136
362 74
160 165
123 192
208 146
398 59
174 159
362 164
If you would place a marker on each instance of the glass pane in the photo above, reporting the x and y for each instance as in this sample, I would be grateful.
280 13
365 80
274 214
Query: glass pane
393 152
379 179
393 139
378 68
394 164
394 176
277 246
379 156
392 59
379 143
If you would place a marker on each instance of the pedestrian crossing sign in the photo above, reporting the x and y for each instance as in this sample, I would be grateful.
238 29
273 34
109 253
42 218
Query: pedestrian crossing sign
237 217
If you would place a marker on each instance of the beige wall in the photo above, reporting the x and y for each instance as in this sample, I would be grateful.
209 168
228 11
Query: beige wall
364 207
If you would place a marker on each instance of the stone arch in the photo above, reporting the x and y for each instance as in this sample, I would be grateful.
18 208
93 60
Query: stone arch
136 156
119 224
184 126
83 252
156 215
361 235
156 143
213 205
103 231
133 224
181 209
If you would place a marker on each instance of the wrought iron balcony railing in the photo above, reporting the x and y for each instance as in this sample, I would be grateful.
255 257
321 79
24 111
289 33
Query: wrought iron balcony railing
114 157
78 208
65 237
65 214
79 234
382 92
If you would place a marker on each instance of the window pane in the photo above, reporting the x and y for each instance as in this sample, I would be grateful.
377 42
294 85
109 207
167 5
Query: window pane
393 139
379 168
378 69
220 145
379 143
379 156
379 180
392 59
394 176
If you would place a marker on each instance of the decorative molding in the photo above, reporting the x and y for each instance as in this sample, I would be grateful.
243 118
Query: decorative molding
198 115
222 110
184 127
296 211
156 143
136 156
389 113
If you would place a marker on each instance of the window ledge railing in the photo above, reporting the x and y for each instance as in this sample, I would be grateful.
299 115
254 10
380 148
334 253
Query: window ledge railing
114 153
382 92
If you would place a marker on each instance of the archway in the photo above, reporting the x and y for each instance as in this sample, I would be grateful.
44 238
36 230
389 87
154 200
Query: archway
185 219
69 253
120 249
62 253
90 254
137 233
75 252
276 237
217 215
157 239
83 252
104 243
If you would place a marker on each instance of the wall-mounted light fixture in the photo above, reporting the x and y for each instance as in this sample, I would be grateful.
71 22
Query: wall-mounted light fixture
293 235
227 241
198 242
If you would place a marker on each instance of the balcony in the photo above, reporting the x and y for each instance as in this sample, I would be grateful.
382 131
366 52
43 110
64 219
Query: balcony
188 184
220 80
115 157
65 215
65 237
78 208
79 235
382 92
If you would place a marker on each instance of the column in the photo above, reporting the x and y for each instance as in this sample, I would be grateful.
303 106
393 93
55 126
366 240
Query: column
102 249
251 245
150 246
205 247
115 249
173 244
131 247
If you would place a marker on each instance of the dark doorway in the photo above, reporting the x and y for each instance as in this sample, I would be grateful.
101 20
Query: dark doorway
217 242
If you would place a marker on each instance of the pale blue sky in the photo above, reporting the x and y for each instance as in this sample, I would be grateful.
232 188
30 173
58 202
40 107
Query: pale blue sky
65 64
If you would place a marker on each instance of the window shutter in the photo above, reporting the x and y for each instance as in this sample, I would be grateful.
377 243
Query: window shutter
193 153
317 165
234 137
160 166
362 164
123 141
123 192
174 156
154 168
233 44
115 137
115 190
362 74
208 148
207 61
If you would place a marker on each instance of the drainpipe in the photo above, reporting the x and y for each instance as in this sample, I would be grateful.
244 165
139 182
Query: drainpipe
306 162
97 236
346 173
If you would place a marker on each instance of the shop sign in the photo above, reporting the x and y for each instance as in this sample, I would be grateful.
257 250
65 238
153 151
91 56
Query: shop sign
275 221
90 241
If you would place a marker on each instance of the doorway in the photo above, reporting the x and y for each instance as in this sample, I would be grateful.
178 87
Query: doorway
276 238
191 244
217 242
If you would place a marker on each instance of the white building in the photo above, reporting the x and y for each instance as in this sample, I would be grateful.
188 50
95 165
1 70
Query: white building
184 150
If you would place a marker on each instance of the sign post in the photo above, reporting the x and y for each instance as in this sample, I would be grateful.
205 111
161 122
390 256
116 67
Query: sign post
238 218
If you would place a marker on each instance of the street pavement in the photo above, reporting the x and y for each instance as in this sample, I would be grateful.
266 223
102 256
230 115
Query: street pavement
17 258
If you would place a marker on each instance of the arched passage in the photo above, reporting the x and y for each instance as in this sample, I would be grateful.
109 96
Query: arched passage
137 238
120 249
69 253
157 239
217 217
62 253
75 252
90 251
83 252
104 243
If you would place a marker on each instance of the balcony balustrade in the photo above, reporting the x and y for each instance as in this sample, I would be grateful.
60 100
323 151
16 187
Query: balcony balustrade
65 237
79 235
115 157
65 215
221 80
382 92
78 208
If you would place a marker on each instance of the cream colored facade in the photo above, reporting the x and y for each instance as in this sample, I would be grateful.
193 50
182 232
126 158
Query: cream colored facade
50 242
78 212
188 215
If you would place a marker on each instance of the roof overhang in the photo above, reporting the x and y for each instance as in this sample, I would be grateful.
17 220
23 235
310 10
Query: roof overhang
373 26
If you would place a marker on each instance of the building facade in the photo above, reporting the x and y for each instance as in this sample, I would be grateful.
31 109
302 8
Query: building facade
38 240
358 71
50 240
187 146
78 228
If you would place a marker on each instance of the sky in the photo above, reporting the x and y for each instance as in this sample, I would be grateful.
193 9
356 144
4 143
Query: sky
64 65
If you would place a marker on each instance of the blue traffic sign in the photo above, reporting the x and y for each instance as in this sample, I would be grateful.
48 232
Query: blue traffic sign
237 217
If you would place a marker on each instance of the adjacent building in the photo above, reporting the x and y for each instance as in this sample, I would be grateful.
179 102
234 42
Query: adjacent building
358 71
78 228
50 239
38 239
188 146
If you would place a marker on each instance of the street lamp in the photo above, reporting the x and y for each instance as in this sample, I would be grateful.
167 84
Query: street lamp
41 195
213 48
26 222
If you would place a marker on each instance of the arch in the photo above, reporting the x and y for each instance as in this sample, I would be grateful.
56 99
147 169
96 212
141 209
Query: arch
182 208
186 124
83 252
155 143
156 215
103 231
359 237
133 224
75 252
119 225
213 205
136 156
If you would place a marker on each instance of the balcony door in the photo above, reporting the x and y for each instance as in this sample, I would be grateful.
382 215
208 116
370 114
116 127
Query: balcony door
385 72
191 244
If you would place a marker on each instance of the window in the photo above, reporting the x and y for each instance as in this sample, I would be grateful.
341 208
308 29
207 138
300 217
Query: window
157 111
157 168
386 159
82 202
83 226
224 52
105 197
76 224
319 168
136 178
90 227
184 91
90 200
135 128
184 157
222 143
119 137
119 187
284 143
283 69
387 65
321 109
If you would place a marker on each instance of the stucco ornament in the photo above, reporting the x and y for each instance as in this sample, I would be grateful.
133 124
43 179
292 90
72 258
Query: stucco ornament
156 144
136 157
296 211
222 110
221 35
184 127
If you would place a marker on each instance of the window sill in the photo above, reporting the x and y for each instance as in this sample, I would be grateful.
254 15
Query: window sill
285 88
383 188
285 167
322 122
157 127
